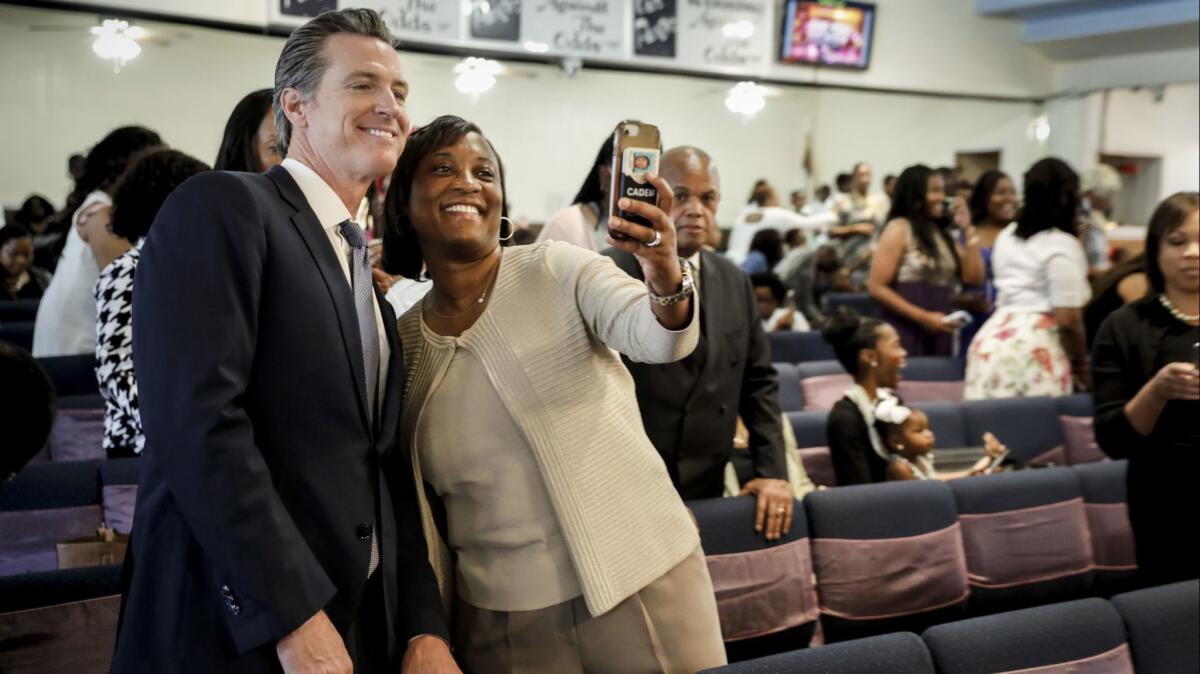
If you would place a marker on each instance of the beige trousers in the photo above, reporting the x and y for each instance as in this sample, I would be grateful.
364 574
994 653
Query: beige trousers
670 625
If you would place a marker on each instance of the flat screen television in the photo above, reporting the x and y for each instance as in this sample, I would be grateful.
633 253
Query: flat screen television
828 33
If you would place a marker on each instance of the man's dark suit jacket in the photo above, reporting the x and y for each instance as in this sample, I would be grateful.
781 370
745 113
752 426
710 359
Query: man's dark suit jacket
262 473
690 408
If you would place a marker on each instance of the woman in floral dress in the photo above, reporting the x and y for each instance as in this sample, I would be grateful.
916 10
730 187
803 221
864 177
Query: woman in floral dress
1034 345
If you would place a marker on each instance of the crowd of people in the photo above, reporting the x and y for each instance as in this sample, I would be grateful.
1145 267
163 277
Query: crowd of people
366 402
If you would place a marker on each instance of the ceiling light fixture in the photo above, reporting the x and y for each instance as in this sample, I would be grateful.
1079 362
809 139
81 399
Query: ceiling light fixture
745 98
476 75
116 41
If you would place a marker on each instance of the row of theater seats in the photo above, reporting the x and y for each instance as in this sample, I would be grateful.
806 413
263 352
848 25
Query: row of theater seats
48 503
902 556
1037 431
1150 631
858 561
818 384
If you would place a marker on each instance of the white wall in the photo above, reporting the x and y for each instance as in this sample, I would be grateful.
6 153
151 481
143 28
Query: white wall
1138 125
546 126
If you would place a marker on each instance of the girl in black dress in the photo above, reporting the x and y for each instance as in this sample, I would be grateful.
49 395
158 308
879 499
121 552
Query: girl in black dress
1147 389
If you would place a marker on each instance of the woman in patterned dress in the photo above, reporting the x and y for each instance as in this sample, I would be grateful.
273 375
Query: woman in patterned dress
117 241
1033 345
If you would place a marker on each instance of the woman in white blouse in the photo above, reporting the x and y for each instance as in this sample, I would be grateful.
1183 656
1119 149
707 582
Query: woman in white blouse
1034 344
550 517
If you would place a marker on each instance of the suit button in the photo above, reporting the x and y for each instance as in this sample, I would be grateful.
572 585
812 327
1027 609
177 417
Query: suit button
724 409
230 600
363 531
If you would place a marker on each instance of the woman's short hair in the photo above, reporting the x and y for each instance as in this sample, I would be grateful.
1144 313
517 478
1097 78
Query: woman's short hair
766 279
981 196
34 209
239 150
109 158
590 191
401 249
145 186
1170 214
848 334
1051 198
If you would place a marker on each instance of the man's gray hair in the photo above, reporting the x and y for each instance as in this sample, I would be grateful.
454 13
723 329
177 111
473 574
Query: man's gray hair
302 61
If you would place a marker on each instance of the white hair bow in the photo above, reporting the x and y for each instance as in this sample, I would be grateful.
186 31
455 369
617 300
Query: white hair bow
890 410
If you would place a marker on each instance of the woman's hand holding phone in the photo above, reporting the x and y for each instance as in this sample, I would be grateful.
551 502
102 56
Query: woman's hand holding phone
653 246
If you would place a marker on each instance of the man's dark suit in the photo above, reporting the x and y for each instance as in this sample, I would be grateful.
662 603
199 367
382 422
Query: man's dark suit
263 477
690 408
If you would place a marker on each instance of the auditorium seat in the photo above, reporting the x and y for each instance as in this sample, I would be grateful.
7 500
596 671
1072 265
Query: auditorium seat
861 303
1077 636
80 402
118 491
823 383
946 421
813 447
78 435
888 557
19 333
799 347
930 378
1163 624
45 504
1026 538
18 311
896 653
72 375
1030 427
765 589
59 621
1105 502
1077 405
791 397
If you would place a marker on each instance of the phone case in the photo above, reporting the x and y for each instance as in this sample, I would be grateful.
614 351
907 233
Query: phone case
637 150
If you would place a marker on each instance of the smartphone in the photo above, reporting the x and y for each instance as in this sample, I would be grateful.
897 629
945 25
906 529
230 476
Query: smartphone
637 149
996 461
960 318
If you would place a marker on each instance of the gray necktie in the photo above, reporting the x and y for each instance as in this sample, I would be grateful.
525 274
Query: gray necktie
360 275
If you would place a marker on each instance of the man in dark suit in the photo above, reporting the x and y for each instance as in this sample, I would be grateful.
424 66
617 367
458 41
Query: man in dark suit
690 408
276 524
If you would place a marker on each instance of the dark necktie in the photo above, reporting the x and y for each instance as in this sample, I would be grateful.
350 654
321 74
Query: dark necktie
360 282
360 275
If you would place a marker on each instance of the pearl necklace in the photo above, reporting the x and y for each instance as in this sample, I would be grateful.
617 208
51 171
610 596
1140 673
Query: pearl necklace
1182 317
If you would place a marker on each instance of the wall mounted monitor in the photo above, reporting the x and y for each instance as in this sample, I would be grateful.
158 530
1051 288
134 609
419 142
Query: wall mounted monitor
827 33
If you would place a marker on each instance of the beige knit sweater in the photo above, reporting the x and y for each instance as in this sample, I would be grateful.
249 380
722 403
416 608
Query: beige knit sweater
544 341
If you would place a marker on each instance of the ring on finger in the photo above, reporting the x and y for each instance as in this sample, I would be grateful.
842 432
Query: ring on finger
656 242
781 509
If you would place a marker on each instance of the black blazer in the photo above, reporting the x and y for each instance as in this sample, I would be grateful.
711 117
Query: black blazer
690 408
262 474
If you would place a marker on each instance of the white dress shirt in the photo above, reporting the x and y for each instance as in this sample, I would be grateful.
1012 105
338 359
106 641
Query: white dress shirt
331 212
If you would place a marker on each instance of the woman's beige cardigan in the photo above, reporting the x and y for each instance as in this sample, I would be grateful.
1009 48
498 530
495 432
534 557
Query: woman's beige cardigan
544 341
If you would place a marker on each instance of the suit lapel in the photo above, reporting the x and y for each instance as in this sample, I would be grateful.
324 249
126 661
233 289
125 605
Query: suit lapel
306 223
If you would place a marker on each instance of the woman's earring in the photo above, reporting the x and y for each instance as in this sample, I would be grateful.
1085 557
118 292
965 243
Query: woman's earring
512 229
874 363
900 447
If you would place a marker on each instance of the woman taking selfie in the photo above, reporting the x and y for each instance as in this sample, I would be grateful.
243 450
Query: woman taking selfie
545 498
